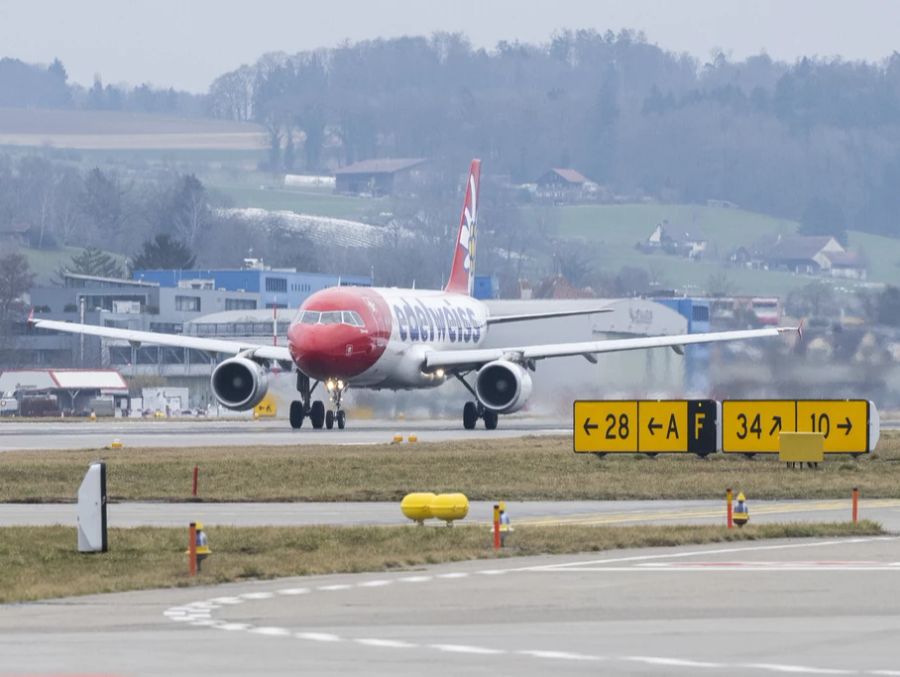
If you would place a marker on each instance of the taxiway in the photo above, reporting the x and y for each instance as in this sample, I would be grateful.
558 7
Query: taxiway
698 610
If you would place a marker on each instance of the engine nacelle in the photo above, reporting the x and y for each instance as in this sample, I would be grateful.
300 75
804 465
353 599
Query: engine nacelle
239 383
503 386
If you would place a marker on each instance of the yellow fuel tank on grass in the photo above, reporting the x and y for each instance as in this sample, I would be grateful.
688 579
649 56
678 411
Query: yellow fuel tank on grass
449 507
417 507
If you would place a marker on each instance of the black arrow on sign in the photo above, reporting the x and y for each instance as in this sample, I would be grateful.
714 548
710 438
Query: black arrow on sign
588 426
846 427
776 425
652 427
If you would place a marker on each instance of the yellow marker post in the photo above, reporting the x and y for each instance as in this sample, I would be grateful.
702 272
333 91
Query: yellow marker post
729 497
741 512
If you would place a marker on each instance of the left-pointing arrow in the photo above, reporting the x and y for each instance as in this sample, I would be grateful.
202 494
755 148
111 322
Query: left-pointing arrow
588 426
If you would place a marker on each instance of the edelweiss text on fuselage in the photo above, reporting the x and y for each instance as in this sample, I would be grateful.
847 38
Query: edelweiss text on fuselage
439 321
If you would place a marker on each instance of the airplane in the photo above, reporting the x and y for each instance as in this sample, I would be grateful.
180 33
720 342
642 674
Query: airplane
390 338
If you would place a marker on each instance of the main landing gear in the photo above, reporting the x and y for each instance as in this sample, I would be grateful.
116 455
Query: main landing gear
472 411
315 410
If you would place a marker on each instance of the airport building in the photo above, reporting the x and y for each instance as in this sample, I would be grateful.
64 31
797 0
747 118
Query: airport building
276 288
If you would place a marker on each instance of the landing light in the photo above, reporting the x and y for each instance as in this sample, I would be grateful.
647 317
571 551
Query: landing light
340 385
329 385
439 373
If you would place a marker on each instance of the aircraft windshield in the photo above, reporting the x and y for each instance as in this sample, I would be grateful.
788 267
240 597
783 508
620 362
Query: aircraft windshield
349 317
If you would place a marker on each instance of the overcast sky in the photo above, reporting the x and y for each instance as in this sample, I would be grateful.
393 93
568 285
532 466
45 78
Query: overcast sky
187 43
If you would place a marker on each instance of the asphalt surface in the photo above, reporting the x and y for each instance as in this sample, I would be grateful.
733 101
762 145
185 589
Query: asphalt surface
799 607
588 513
83 434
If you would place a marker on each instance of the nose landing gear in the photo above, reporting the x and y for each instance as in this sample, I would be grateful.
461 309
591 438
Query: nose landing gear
335 414
315 410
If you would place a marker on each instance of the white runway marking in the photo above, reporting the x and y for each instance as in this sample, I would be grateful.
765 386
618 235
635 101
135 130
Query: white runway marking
294 591
386 643
672 662
271 632
374 584
317 636
561 655
463 648
258 595
796 669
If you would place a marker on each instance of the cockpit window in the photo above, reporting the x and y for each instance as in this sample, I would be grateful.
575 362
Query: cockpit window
348 317
309 317
352 318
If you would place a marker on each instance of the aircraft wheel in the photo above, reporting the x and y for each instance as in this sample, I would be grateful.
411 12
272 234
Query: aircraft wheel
490 419
317 414
341 419
296 414
470 415
329 419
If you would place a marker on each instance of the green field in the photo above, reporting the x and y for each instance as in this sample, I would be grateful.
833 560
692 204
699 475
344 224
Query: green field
625 225
532 468
45 262
264 193
618 228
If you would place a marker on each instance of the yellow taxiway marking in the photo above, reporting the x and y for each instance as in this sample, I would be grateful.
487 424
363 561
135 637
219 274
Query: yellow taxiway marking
698 513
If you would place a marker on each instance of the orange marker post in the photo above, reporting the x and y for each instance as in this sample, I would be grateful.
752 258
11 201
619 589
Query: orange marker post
192 550
196 477
496 526
855 505
729 498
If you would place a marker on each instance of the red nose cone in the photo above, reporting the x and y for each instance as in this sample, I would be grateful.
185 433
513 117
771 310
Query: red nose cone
331 351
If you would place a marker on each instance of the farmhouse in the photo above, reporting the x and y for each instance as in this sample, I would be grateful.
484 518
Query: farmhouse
377 177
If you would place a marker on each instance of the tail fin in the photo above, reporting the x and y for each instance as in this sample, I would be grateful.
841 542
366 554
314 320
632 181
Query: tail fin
462 272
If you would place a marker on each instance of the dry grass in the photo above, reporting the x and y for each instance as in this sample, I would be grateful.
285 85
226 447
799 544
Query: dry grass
529 468
40 563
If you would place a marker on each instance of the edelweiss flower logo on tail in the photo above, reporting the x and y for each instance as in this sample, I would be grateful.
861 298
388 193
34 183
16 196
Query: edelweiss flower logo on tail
467 236
462 272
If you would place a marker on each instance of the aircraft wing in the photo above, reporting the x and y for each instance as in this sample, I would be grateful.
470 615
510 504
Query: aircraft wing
500 319
279 353
473 359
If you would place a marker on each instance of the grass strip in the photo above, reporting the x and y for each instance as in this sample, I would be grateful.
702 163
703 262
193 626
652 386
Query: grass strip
42 562
536 468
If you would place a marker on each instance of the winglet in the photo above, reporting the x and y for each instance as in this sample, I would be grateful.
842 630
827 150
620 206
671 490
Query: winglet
30 319
800 330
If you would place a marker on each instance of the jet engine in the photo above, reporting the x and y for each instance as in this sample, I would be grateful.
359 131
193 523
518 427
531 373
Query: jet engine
239 383
503 386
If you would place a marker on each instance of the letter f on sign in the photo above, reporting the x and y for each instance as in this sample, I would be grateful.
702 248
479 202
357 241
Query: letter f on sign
698 424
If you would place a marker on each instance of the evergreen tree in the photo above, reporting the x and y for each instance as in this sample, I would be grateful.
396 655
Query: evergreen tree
94 261
163 253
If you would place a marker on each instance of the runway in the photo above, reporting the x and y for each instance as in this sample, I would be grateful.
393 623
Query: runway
83 434
523 513
799 607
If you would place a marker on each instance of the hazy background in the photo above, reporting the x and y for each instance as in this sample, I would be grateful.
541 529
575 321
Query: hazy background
187 44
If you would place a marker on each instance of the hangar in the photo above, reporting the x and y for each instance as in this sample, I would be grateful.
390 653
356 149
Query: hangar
51 392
